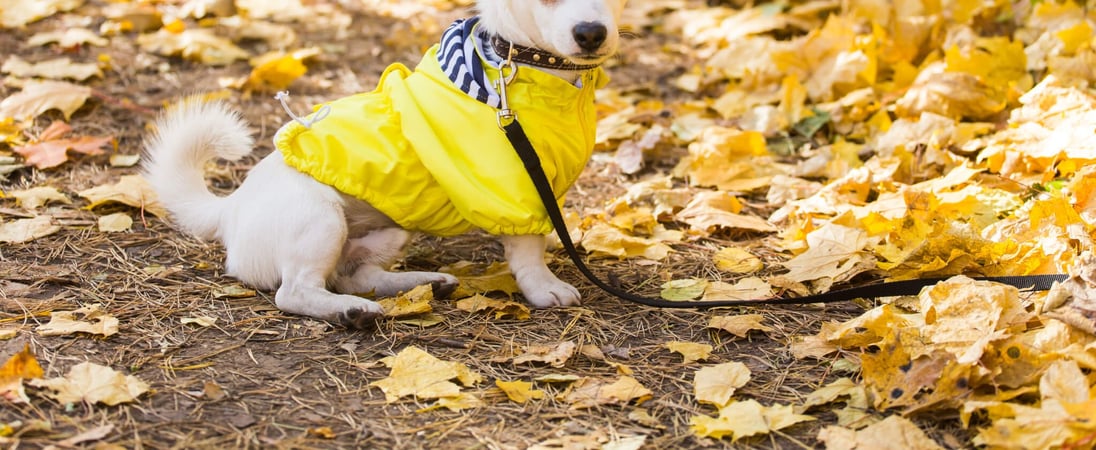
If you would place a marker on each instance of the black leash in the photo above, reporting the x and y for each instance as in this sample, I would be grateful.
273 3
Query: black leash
529 157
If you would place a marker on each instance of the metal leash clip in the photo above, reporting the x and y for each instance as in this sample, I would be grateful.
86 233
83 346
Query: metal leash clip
505 115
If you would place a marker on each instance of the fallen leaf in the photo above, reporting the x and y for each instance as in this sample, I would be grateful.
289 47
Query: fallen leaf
89 319
200 45
202 321
50 150
276 72
413 302
519 391
736 260
739 325
38 97
554 355
415 372
749 288
18 13
459 402
481 279
233 291
91 383
35 197
26 230
56 69
114 223
67 38
20 366
691 351
716 384
894 432
683 290
130 190
503 309
746 418
590 392
120 160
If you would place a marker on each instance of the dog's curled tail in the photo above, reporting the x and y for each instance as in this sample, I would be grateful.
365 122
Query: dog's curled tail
187 135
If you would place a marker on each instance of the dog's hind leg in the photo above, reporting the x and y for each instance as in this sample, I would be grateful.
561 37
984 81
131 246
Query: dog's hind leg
372 254
303 289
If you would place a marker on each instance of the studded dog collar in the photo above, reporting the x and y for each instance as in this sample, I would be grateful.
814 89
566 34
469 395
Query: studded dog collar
534 56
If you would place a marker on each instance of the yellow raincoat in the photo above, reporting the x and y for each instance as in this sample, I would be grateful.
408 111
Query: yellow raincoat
433 159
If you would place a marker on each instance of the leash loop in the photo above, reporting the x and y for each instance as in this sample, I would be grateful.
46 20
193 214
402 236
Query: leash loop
283 98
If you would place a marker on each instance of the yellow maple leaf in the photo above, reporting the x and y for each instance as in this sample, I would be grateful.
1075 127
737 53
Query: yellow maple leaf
746 418
413 302
736 260
18 13
519 391
481 279
418 373
716 384
20 366
691 351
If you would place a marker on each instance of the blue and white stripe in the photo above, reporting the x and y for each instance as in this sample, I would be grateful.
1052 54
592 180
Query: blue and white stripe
460 62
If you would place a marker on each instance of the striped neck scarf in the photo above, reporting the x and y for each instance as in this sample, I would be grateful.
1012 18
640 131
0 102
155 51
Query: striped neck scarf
460 60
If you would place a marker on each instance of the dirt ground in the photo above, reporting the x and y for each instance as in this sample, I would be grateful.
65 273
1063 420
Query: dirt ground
285 380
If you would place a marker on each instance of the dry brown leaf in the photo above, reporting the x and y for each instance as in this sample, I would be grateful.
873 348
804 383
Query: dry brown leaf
56 69
503 309
554 355
894 432
50 150
590 392
38 97
739 325
91 383
130 190
67 38
17 13
89 319
37 196
26 230
114 223
200 45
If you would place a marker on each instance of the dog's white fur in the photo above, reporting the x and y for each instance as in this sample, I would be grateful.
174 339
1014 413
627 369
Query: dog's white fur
283 229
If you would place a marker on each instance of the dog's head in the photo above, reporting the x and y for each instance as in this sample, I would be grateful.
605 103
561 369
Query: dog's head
585 31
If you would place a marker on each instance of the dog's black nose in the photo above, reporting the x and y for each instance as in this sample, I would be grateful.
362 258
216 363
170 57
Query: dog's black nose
589 35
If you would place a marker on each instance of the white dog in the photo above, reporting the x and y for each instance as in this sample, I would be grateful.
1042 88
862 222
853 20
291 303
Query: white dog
328 212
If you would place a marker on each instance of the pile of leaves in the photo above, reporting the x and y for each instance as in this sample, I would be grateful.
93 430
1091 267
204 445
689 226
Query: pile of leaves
807 145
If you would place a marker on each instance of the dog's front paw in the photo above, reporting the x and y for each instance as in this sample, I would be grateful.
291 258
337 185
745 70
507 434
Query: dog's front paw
549 292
